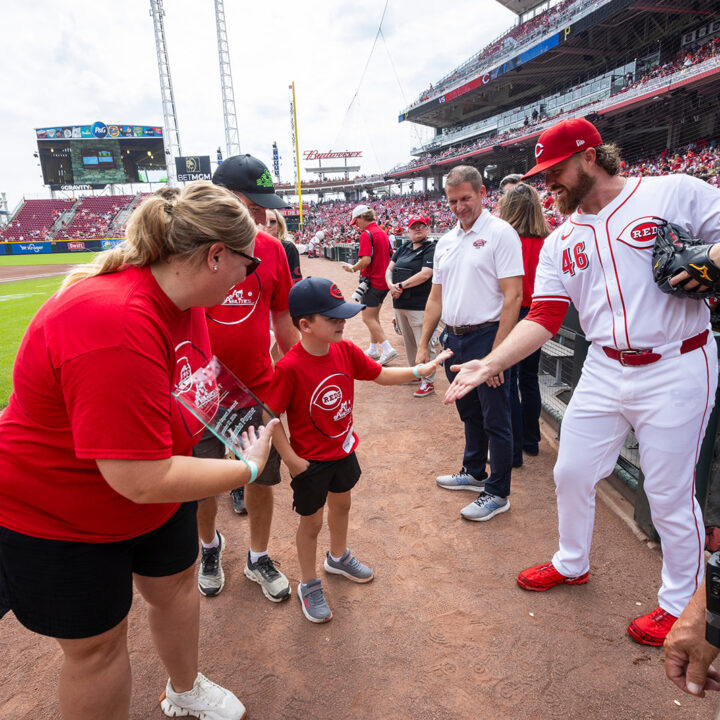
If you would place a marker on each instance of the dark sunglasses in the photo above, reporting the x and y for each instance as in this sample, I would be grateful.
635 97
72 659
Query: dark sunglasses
254 261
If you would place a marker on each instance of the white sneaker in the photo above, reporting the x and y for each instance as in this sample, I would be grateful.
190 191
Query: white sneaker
374 355
205 700
386 357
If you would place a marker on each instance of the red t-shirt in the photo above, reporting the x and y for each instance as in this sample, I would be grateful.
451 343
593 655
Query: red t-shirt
93 379
317 392
380 250
531 247
240 327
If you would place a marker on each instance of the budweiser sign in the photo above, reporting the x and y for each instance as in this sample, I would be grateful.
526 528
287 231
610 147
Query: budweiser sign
330 155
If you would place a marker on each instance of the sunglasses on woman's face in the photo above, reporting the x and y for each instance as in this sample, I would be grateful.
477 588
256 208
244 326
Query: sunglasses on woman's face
272 222
254 261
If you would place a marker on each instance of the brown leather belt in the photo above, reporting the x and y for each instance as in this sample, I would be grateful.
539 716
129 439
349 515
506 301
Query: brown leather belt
467 329
647 356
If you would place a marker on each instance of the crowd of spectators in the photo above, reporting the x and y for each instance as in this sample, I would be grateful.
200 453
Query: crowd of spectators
684 60
517 36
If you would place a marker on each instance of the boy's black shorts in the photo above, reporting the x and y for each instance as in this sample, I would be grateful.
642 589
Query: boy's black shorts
70 589
310 488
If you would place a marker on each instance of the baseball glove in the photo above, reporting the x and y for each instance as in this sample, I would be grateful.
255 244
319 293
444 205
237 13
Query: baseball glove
674 252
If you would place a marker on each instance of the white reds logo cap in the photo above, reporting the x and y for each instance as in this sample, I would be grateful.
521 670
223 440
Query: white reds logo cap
539 150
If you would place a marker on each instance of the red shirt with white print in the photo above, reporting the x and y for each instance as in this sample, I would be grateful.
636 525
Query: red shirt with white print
240 327
92 380
317 392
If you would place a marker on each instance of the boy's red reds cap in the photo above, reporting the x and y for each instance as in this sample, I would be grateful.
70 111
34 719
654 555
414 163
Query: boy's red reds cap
322 297
418 219
561 141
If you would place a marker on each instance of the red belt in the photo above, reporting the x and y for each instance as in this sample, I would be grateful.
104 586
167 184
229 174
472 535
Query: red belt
648 356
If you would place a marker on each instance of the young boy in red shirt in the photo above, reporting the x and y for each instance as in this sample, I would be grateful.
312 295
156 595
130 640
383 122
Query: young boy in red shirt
313 383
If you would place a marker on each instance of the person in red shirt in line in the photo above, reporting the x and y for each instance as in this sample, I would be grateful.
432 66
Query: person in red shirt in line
240 337
97 486
520 206
314 384
373 259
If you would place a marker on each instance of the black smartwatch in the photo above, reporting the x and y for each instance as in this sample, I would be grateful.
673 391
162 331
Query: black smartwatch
400 285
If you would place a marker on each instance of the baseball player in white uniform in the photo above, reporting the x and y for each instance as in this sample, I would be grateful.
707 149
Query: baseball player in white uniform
651 366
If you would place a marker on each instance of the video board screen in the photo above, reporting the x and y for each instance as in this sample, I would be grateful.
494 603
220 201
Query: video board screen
92 156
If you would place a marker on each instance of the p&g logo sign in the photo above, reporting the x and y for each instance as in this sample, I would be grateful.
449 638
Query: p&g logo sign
99 130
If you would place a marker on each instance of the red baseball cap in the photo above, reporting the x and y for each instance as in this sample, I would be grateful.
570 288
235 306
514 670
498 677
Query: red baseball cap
561 141
417 219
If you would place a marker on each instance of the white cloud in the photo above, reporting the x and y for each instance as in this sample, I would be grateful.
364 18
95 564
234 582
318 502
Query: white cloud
76 63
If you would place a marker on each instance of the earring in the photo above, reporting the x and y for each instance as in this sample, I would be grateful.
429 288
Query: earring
214 268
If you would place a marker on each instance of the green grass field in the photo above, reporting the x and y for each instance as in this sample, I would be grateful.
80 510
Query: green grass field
47 259
19 301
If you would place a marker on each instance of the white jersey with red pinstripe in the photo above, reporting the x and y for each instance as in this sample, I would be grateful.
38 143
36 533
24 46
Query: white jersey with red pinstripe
603 265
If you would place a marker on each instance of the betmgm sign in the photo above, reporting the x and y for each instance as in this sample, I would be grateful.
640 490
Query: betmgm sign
195 167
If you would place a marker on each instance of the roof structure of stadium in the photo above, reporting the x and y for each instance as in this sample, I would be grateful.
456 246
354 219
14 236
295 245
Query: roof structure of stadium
614 61
520 6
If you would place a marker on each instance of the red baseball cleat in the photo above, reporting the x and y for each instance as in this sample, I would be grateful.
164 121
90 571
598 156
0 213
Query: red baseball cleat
651 629
543 577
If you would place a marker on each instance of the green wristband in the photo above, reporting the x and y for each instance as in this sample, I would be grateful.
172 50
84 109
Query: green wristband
252 467
416 371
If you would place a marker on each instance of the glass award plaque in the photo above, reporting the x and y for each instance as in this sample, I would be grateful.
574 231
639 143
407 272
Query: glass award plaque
221 402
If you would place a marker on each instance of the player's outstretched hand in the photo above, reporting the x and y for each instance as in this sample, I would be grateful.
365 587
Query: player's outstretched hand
347 268
469 376
256 443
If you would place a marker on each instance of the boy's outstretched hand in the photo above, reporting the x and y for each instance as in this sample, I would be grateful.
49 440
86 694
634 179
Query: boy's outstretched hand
428 368
469 375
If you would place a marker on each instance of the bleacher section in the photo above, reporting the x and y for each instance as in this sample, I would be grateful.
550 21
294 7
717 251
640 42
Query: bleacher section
35 220
93 216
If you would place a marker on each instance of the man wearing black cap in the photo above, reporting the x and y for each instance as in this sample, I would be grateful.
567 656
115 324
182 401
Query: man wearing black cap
240 338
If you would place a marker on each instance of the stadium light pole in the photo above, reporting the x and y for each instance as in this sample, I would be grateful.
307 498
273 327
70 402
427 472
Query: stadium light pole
232 137
296 151
172 133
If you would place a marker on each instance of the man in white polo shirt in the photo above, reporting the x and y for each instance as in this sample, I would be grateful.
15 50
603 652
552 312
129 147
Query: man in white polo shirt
477 291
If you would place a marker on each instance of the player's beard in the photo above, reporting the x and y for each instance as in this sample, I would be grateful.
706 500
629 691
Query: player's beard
570 200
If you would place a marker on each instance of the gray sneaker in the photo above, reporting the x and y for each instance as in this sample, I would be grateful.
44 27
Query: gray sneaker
238 501
274 584
462 480
204 700
211 578
313 603
386 357
485 507
350 567
374 355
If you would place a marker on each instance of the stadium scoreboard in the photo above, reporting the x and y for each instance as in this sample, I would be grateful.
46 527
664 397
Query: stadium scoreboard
84 157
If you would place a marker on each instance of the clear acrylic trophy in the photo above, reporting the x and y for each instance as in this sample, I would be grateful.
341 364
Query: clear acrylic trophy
221 402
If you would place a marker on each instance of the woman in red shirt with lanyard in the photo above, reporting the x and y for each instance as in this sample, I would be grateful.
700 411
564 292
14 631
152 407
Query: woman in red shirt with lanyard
97 485
521 207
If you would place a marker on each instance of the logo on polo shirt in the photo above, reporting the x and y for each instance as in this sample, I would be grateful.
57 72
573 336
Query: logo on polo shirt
239 304
193 377
479 243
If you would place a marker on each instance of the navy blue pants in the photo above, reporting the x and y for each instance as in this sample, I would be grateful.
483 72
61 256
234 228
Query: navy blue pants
485 412
525 402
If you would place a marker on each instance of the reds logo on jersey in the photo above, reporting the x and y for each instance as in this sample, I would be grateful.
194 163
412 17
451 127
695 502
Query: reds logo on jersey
640 233
239 303
331 405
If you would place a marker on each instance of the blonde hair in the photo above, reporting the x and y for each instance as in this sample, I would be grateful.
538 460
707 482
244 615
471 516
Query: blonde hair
175 223
282 233
521 208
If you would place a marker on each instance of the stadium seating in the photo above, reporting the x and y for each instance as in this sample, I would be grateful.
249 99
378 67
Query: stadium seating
93 216
35 220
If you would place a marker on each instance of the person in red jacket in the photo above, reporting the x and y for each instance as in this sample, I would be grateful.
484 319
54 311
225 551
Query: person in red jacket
97 486
239 329
521 207
373 259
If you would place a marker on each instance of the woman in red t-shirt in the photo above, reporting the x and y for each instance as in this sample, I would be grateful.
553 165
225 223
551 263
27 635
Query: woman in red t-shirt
522 208
96 479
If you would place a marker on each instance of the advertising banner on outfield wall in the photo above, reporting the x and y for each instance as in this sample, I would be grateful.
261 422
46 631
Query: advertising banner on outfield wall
77 246
30 248
110 243
4 249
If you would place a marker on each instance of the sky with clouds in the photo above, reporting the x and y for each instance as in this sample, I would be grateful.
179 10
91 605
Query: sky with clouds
75 63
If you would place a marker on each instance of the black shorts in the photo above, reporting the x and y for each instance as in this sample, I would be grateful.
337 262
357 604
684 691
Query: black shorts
67 589
210 447
310 488
374 297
